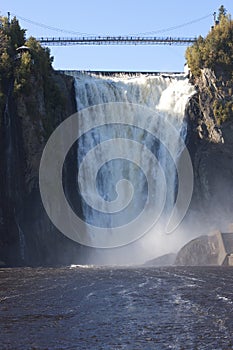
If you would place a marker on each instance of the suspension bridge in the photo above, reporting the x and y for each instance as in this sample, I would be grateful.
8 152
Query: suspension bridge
115 40
78 38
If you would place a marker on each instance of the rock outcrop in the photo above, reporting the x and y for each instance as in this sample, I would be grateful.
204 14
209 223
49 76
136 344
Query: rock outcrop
201 251
214 249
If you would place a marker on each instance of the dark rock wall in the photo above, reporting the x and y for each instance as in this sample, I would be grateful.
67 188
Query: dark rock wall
27 237
211 149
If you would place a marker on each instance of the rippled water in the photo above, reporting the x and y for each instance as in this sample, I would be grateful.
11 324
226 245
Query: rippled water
116 308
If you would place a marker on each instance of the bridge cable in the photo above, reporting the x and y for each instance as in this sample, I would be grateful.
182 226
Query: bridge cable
174 27
50 27
88 34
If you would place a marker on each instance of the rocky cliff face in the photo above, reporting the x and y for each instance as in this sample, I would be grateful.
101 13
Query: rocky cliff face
27 236
210 142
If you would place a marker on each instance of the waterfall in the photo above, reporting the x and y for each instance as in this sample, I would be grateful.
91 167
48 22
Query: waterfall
9 140
22 243
117 191
12 179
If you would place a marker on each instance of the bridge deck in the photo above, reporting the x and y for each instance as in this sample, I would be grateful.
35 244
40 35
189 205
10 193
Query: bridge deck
118 40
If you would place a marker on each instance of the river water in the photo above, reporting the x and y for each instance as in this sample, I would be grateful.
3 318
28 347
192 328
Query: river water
116 308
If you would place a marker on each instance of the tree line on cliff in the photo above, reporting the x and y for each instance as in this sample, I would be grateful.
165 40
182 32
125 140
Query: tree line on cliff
32 71
215 52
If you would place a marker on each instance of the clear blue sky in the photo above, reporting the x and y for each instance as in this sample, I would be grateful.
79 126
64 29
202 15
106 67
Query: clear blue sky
117 17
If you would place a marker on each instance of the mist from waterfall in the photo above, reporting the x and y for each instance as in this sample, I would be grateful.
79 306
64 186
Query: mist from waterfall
121 181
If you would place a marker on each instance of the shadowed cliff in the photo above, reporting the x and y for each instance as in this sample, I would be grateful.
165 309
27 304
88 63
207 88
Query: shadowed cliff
210 126
34 99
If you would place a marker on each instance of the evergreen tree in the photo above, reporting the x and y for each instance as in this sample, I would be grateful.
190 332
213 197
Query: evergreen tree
216 50
221 12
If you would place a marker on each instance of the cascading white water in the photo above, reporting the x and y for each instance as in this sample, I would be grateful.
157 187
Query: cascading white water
167 96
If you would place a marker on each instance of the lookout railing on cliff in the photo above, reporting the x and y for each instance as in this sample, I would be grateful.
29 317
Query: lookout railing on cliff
115 40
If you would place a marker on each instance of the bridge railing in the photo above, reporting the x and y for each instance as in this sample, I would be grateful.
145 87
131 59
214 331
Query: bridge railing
115 40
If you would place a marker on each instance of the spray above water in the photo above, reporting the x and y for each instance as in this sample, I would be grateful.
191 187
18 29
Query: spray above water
130 133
